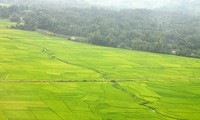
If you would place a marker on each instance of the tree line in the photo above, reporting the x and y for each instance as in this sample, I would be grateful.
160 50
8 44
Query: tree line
145 30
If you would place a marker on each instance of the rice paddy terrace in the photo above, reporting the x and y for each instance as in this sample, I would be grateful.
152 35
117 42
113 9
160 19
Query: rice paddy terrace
48 78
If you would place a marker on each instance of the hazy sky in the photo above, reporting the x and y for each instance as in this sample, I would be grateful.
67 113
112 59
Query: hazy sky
138 3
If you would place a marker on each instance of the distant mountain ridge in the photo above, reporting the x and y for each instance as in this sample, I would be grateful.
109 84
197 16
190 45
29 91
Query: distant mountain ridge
170 5
48 3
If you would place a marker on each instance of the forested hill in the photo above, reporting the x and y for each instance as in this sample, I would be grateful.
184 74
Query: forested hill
146 30
167 5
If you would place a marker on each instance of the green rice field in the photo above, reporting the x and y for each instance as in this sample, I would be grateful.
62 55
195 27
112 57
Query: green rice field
49 78
145 100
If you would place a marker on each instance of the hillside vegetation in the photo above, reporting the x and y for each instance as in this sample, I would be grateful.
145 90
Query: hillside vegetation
32 56
145 30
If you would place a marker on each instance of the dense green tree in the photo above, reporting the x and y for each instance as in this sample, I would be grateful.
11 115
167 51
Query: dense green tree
140 29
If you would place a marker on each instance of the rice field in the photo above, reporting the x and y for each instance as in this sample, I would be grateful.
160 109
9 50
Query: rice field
48 78
145 100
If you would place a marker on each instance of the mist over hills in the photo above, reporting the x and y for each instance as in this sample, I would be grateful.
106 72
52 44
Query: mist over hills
48 3
192 5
